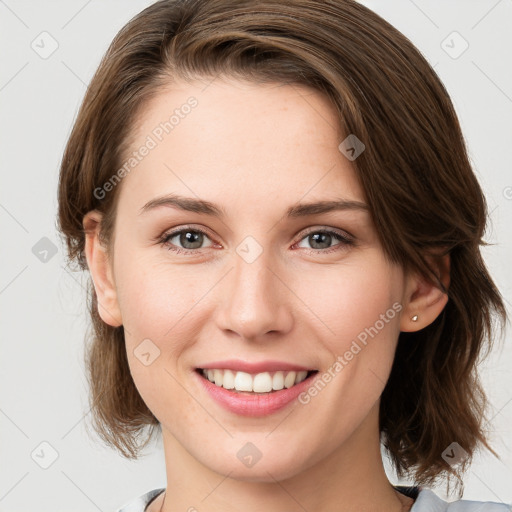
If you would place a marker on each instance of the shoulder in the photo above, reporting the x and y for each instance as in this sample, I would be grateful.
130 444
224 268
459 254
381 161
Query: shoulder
139 504
428 501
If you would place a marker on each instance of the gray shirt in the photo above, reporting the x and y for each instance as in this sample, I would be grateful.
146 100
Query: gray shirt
425 501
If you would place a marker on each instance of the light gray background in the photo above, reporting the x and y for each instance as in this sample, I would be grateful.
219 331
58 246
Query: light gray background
42 383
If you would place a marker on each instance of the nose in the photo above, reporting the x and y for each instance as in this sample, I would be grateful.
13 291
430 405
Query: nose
257 300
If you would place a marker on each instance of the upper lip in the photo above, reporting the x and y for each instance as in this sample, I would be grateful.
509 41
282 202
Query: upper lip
259 367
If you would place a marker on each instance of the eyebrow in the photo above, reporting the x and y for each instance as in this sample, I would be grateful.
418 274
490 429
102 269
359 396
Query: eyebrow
201 206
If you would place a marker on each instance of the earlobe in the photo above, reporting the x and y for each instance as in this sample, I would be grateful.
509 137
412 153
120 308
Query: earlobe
425 301
101 271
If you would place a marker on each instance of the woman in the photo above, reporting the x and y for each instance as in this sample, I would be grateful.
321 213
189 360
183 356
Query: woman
282 228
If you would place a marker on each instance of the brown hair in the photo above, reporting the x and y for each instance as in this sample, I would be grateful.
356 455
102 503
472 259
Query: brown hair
415 173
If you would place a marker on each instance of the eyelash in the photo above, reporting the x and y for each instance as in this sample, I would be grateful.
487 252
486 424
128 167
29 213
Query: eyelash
164 240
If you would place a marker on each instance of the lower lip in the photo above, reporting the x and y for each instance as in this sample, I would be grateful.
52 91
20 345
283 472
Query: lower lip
254 404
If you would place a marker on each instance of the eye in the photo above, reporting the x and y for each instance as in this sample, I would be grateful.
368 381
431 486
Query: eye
321 240
189 238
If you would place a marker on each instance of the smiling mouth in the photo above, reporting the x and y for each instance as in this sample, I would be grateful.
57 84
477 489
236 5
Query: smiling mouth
265 382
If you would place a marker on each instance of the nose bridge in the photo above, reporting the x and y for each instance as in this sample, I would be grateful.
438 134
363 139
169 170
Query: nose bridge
253 305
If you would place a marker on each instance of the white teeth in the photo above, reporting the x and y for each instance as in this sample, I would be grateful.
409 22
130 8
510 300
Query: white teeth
300 376
243 381
217 377
229 380
260 383
289 380
278 381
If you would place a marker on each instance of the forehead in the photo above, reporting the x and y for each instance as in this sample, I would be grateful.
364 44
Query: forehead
238 143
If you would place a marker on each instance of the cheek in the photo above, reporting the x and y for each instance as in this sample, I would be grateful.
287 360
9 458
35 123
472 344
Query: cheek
156 303
359 309
154 298
352 298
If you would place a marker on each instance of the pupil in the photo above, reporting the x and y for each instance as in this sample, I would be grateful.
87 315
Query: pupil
191 237
322 236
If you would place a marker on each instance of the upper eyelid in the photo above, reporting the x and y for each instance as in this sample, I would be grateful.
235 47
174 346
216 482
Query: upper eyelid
173 232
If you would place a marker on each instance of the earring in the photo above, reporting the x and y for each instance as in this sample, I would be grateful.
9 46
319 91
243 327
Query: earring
414 318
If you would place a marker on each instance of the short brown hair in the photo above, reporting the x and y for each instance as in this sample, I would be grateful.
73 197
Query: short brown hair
415 173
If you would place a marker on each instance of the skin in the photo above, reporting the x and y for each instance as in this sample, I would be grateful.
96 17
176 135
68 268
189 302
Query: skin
255 150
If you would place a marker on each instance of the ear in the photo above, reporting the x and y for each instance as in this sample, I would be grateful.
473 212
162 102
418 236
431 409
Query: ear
423 298
101 270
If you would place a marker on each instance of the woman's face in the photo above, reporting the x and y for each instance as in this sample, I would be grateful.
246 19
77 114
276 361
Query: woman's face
260 287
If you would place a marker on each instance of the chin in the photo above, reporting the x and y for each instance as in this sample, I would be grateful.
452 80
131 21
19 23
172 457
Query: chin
266 469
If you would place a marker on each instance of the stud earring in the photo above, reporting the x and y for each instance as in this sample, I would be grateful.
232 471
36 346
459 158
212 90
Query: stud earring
414 318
